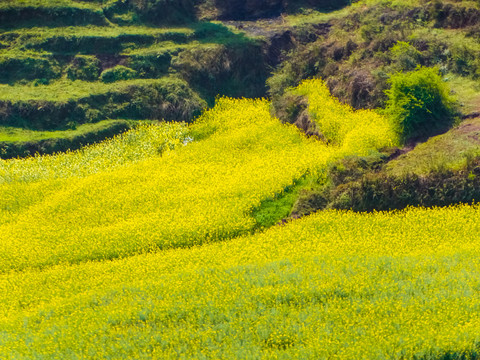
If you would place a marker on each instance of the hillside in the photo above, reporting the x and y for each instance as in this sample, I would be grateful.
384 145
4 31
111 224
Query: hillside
226 179
187 53
100 60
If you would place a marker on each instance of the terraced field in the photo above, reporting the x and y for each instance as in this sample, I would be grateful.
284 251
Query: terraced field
193 237
82 67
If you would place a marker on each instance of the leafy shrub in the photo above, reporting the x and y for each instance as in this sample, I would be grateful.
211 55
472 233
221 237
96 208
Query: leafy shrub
150 65
420 103
13 69
405 56
246 9
464 60
117 73
84 67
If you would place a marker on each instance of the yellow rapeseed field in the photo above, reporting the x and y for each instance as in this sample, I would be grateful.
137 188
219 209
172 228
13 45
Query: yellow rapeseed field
335 285
142 192
142 247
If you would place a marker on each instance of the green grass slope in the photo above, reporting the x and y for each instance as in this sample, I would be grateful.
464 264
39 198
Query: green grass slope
79 69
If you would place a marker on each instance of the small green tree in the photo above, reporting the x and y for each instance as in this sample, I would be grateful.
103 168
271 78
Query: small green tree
420 103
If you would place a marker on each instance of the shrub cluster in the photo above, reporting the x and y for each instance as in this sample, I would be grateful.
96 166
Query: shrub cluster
118 73
359 184
420 103
385 192
165 11
14 16
28 68
84 67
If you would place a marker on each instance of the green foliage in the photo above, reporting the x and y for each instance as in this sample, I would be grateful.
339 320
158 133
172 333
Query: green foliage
16 15
361 184
464 60
233 69
165 11
118 73
150 65
84 67
449 151
247 10
386 192
420 103
20 67
273 210
405 56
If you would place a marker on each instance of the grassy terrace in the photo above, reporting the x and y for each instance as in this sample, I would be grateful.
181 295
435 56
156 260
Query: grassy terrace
65 104
91 31
20 142
65 90
51 3
59 77
14 134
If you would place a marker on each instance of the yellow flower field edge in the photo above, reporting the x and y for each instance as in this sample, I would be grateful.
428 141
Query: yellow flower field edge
336 285
194 194
353 131
24 182
190 195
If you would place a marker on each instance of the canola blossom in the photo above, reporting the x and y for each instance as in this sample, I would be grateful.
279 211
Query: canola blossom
86 205
147 249
353 131
194 194
334 285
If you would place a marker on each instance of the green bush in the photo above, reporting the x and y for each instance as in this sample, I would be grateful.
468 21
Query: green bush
13 69
117 73
420 103
405 56
150 65
84 67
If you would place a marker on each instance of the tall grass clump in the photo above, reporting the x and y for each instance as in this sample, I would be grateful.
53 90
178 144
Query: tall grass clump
420 103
